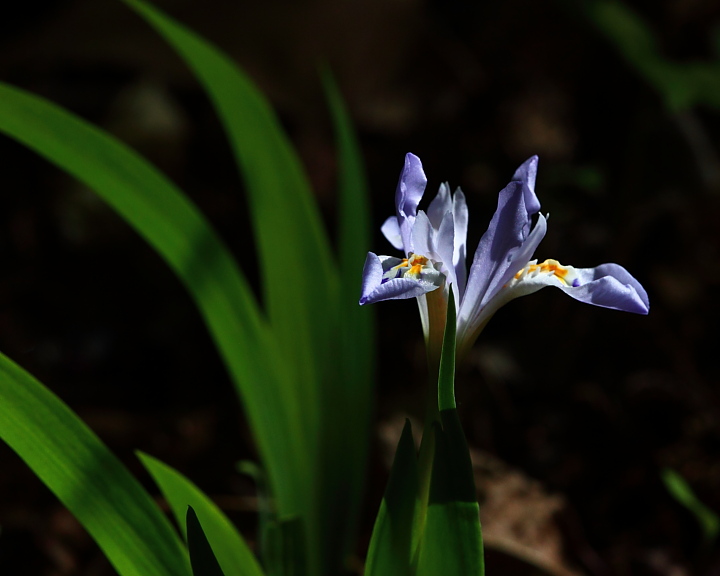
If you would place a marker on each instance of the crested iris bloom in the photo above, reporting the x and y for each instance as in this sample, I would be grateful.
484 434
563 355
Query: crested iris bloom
434 249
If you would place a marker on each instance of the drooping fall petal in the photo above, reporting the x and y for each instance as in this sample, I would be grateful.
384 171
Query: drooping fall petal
376 286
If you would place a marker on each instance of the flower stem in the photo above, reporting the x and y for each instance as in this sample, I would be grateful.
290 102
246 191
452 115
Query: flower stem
437 314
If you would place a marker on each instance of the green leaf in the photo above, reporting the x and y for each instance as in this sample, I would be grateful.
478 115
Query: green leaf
294 251
202 557
680 490
173 226
443 368
705 81
354 207
451 543
295 261
390 551
347 398
87 478
265 510
715 42
232 552
286 548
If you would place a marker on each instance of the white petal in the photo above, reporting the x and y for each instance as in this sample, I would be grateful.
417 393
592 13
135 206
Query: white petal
444 248
422 236
391 231
440 205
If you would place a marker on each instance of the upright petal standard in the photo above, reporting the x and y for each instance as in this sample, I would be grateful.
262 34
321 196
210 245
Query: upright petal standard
434 249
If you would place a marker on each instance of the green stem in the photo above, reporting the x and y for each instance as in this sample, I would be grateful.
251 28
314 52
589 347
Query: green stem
437 306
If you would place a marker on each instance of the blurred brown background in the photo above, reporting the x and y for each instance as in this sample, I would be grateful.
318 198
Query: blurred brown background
572 410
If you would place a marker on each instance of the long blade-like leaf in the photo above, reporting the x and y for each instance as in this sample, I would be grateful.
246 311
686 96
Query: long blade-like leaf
230 548
202 557
348 398
287 548
87 478
299 278
179 233
390 550
452 540
300 281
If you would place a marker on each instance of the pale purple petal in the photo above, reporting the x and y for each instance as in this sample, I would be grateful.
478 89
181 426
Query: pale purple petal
374 289
475 309
494 257
441 204
526 174
609 286
411 186
519 259
398 289
372 276
409 191
391 231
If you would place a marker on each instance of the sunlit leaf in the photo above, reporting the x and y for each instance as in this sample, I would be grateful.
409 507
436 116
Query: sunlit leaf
173 226
87 478
229 546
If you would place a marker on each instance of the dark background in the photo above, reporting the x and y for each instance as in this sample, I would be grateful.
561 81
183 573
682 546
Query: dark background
573 410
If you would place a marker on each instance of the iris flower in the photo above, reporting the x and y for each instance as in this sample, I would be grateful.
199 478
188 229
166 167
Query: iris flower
434 250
